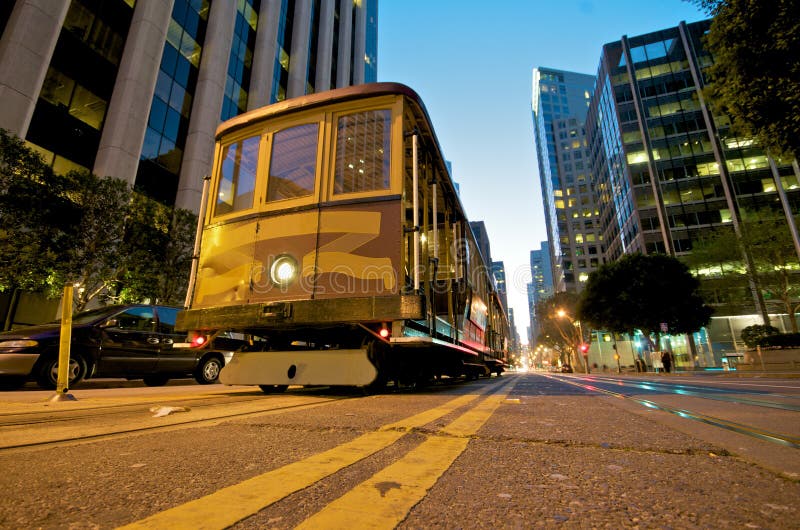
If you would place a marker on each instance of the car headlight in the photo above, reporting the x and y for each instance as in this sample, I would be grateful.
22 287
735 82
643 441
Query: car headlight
283 270
18 343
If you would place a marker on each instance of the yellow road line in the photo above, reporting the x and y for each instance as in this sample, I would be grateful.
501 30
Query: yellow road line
249 497
385 499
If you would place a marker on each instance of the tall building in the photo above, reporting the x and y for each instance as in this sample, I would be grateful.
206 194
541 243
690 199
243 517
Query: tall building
541 286
135 89
560 101
482 239
499 275
667 168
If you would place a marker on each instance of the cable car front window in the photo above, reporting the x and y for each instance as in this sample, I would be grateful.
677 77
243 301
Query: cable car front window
363 152
237 178
293 165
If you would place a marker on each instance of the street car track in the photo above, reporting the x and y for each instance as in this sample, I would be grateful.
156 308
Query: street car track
755 432
705 392
144 425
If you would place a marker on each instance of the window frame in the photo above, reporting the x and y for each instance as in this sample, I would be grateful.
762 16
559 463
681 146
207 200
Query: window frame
219 147
395 107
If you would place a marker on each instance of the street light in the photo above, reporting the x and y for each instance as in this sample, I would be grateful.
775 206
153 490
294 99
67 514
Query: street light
582 346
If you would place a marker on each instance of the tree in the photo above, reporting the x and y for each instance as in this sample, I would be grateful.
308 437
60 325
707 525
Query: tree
559 332
767 239
159 246
96 255
114 244
643 292
35 218
756 70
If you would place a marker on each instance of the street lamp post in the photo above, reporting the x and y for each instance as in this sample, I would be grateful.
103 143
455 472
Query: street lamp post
581 349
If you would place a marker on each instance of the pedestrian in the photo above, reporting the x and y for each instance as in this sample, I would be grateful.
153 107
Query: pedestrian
666 360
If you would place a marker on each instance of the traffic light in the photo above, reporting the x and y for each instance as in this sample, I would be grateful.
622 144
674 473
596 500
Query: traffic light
584 348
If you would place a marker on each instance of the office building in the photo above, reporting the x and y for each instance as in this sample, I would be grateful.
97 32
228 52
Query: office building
667 169
135 89
482 239
499 275
541 286
560 101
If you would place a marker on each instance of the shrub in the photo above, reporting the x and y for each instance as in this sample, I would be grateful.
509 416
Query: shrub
783 340
751 335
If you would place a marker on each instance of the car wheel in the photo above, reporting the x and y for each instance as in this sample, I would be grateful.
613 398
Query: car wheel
155 380
207 371
47 375
273 389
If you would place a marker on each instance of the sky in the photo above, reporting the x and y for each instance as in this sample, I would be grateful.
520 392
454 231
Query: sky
472 64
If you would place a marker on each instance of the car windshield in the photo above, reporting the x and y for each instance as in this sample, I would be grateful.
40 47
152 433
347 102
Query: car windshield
85 317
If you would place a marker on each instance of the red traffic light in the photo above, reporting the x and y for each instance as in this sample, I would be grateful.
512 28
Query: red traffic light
584 348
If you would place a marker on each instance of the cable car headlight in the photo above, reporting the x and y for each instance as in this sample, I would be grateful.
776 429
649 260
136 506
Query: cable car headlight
283 270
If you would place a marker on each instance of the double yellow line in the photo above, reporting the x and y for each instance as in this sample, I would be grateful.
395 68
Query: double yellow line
382 501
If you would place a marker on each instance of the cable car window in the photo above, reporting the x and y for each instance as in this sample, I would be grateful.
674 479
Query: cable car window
362 152
237 176
293 165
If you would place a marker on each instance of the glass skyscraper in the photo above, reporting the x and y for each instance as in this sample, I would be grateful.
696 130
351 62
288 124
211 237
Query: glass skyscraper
666 167
559 104
135 89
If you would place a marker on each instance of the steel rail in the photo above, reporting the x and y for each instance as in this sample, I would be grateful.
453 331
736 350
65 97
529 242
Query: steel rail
748 430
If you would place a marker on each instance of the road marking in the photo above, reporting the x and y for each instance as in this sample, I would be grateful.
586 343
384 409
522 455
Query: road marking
385 499
249 497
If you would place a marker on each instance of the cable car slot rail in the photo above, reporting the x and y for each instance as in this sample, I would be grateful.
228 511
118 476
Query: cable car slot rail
754 432
712 393
173 422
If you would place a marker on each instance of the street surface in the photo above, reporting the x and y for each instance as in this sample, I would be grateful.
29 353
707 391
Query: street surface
525 450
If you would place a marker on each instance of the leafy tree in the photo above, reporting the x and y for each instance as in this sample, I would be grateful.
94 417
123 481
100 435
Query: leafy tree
756 70
642 292
35 217
94 232
159 246
776 269
97 254
557 331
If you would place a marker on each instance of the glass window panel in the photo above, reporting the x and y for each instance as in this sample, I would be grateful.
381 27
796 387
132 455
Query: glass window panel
176 100
158 113
168 59
237 176
182 71
172 124
151 140
57 88
163 85
88 107
362 152
293 165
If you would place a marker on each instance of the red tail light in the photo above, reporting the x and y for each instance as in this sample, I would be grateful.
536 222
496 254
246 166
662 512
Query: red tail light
198 341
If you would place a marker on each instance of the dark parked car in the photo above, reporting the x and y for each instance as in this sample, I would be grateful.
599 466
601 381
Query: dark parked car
131 341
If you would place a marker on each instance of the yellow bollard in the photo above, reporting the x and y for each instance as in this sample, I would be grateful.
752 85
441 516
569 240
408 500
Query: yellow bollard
62 386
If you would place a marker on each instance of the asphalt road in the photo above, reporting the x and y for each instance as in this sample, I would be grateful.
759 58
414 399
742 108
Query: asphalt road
518 451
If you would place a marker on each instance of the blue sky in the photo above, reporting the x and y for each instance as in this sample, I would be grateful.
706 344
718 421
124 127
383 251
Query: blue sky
471 62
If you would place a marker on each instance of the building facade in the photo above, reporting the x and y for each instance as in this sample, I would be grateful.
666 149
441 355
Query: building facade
541 286
482 239
134 89
559 104
499 275
667 169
